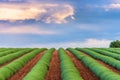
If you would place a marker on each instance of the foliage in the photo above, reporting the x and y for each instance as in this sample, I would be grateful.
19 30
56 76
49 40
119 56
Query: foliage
109 60
107 53
115 44
69 71
101 71
39 71
10 69
114 50
6 57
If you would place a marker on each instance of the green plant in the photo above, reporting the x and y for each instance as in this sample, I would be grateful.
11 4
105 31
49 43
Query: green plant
115 44
102 72
109 60
10 69
69 71
39 71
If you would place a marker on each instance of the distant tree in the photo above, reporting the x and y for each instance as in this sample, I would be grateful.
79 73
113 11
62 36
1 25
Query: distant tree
115 44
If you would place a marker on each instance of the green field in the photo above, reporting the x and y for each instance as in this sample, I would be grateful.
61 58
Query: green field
61 64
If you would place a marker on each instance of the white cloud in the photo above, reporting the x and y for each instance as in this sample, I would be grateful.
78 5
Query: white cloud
19 14
25 30
60 14
48 13
111 6
87 43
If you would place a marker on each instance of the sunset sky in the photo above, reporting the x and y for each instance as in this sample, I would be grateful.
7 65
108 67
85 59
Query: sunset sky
59 23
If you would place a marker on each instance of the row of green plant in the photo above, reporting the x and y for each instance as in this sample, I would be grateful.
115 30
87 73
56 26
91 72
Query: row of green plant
9 51
109 60
69 71
114 50
4 49
39 71
13 56
101 71
10 69
107 53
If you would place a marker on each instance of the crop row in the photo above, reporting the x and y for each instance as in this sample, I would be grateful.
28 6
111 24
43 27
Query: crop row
39 71
10 69
111 61
8 52
4 49
12 56
108 53
114 50
102 72
69 71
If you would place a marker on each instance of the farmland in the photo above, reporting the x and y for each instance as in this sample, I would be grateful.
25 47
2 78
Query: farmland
61 64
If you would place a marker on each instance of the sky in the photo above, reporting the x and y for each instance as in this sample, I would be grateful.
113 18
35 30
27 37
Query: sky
59 23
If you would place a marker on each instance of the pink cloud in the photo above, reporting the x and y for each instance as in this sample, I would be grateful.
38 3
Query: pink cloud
25 30
48 13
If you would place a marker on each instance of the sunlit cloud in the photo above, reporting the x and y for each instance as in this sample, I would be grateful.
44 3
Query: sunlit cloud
48 13
111 6
25 30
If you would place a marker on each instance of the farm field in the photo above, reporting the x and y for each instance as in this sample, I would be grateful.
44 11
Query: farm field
61 64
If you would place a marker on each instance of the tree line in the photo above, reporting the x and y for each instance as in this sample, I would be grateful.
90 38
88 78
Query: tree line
115 44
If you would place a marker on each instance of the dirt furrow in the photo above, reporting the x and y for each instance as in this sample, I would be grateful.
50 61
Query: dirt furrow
86 73
13 60
105 64
54 72
110 67
23 71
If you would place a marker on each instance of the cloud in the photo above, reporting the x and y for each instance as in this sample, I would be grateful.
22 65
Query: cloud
46 12
112 6
89 43
25 30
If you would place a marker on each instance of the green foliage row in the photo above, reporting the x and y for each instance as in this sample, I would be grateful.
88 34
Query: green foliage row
114 50
109 60
10 69
12 56
9 51
39 71
102 72
69 71
108 53
5 49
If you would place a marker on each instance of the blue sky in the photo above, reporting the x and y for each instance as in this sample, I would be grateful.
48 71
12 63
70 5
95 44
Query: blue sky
59 23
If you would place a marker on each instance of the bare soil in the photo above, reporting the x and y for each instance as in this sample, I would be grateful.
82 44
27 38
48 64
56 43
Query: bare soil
23 71
85 72
13 59
109 67
54 72
105 64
